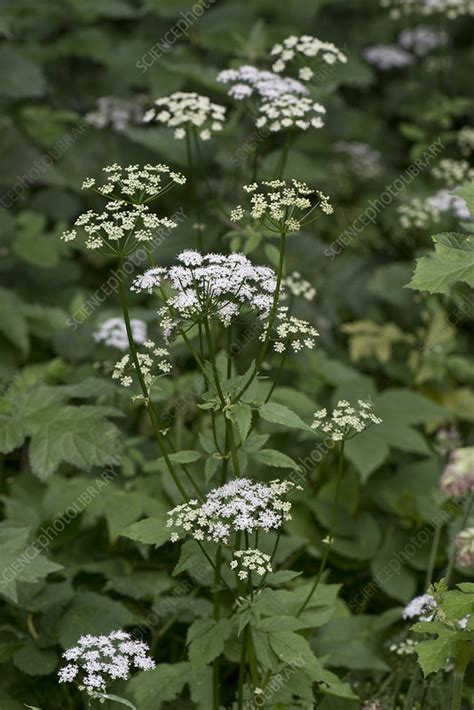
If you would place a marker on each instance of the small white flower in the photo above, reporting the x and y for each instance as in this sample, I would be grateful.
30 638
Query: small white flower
421 607
112 332
184 110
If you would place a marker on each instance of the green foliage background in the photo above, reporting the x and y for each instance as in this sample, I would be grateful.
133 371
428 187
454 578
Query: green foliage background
62 419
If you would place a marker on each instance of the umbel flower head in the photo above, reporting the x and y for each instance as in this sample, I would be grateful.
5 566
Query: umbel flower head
96 661
240 505
464 545
153 364
345 421
297 286
292 332
453 172
283 101
247 81
183 110
280 206
112 332
244 562
458 476
422 39
216 286
305 51
126 219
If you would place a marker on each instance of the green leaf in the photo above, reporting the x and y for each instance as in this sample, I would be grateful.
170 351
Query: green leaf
19 561
92 613
115 698
434 654
151 531
35 661
206 639
451 261
150 689
19 76
279 414
242 415
13 324
79 436
277 459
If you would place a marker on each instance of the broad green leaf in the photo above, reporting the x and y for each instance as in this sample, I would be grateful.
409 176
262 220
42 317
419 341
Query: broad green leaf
466 193
435 653
206 639
20 561
33 660
242 415
151 531
92 613
451 261
277 459
279 414
150 689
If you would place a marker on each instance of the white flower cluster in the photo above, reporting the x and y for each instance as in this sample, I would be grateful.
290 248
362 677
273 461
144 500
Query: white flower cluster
292 331
252 560
126 216
422 40
465 140
404 648
451 8
453 172
345 421
240 505
420 213
365 161
212 285
247 81
183 110
115 112
290 111
152 365
421 608
297 286
388 56
302 48
277 205
99 660
284 102
113 332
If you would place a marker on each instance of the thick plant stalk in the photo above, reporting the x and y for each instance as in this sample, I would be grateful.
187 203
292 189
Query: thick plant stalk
452 556
330 534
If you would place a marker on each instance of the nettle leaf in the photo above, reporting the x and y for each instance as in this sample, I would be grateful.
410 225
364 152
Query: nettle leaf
277 459
206 639
21 560
150 689
451 261
151 531
434 654
279 414
13 323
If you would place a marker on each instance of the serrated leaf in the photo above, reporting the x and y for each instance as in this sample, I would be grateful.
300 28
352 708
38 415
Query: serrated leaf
151 531
279 414
277 459
206 639
451 261
162 684
242 415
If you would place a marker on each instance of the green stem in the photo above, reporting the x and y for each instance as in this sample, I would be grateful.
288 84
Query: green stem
148 403
331 531
242 669
216 688
271 320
